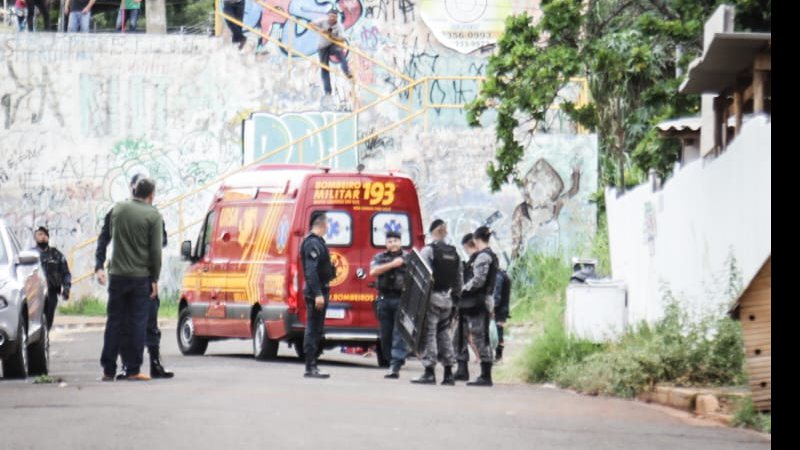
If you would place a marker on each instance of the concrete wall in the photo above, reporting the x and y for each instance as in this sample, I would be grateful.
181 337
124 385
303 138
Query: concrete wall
683 237
80 114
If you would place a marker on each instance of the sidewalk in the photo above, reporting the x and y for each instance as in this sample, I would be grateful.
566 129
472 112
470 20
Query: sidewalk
68 322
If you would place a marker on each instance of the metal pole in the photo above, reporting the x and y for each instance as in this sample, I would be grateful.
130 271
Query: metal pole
61 25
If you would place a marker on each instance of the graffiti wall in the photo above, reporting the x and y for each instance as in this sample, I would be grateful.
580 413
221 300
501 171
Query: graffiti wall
550 212
80 114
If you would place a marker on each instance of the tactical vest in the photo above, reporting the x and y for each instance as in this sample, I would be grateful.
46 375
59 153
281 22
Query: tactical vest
391 282
446 265
477 297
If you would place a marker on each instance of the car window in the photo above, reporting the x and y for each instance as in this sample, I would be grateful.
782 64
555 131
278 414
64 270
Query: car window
383 222
3 252
15 242
204 244
340 229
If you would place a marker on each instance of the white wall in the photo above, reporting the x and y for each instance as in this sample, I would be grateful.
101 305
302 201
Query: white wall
683 234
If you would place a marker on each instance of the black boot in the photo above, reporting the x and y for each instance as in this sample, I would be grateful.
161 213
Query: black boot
312 371
156 369
498 355
394 372
485 379
429 377
448 377
462 373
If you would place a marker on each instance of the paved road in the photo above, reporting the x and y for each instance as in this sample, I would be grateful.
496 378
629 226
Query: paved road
226 400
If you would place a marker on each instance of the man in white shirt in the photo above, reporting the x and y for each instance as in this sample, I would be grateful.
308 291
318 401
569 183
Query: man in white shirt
331 31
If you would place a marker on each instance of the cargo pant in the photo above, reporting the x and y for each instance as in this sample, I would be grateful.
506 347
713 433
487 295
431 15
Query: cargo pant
438 342
477 322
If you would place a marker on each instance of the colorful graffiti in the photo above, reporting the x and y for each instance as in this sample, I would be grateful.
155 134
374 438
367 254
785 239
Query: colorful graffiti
298 37
265 133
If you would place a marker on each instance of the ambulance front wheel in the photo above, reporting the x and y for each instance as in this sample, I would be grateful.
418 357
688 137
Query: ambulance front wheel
263 347
188 342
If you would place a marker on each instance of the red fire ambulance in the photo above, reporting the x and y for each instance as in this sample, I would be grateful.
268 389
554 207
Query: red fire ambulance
245 266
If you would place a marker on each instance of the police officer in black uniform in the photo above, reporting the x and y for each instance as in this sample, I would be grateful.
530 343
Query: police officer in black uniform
56 270
461 334
390 268
153 333
318 272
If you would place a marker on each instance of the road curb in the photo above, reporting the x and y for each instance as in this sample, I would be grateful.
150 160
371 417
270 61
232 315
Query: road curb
713 404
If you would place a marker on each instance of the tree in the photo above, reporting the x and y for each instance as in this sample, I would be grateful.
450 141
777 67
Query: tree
627 50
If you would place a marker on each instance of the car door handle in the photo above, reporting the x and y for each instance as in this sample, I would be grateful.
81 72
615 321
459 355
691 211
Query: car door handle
361 273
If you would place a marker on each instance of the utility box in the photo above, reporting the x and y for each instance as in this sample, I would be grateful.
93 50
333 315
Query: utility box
597 310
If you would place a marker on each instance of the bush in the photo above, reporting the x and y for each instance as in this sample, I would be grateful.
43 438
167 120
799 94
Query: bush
747 416
538 279
673 350
554 347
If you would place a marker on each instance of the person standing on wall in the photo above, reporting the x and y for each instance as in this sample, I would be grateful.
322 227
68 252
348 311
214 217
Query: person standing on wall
235 9
389 267
153 333
80 15
318 272
56 271
331 34
137 232
447 282
477 302
43 10
128 15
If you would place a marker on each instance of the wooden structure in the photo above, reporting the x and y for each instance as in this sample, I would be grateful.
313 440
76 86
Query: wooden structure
734 76
754 310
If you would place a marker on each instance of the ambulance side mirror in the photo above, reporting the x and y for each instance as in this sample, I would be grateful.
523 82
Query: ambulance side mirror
186 250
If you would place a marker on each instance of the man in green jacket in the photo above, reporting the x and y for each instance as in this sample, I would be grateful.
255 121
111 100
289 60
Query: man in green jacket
137 232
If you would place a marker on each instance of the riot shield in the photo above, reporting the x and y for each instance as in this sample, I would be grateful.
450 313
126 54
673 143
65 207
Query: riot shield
414 301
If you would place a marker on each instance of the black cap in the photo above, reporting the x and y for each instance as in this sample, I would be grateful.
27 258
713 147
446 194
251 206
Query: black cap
467 238
43 230
393 234
314 216
483 233
435 224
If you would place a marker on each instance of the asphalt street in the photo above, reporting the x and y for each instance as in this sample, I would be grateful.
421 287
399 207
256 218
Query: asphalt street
227 400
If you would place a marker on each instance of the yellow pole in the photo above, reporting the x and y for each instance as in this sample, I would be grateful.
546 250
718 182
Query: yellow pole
180 221
217 20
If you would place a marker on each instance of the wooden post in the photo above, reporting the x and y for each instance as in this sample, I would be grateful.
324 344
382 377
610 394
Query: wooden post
725 116
737 109
759 78
718 105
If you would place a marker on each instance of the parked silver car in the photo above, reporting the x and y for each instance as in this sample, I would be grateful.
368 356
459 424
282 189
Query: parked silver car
24 339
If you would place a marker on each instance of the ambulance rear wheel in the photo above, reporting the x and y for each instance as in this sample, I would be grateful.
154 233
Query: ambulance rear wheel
188 342
263 347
